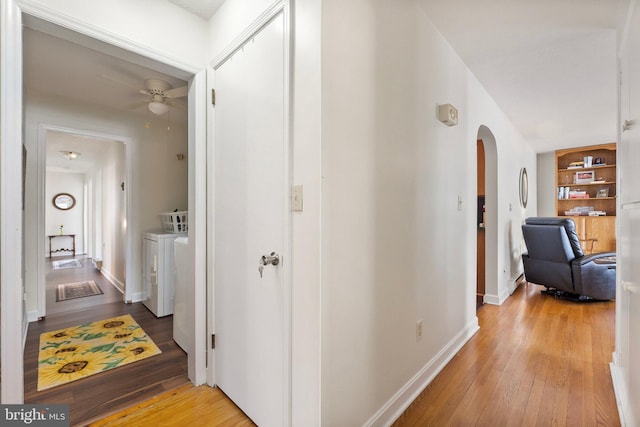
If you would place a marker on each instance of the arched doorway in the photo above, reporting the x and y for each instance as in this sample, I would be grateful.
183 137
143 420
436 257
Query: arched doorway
487 220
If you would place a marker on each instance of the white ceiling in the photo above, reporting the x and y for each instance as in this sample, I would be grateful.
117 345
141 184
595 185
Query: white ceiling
203 8
91 151
74 68
549 64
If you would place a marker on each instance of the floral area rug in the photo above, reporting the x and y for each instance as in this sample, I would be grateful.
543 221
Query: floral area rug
70 354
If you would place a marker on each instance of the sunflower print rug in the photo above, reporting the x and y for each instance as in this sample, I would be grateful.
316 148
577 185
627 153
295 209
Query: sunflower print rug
72 353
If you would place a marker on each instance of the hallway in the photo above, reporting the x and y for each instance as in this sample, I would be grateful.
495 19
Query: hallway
69 275
96 396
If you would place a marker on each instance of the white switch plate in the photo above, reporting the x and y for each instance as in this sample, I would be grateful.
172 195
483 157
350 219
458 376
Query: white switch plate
296 198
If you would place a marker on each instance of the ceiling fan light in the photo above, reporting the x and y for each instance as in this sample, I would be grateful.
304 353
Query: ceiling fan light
158 108
70 155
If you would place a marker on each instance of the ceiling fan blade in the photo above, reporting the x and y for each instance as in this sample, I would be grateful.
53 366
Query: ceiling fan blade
176 104
177 92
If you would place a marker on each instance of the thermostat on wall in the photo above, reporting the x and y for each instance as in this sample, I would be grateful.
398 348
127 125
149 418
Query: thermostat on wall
448 114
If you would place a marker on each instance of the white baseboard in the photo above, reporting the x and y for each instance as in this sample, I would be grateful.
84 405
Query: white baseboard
620 391
137 297
32 316
114 281
400 401
25 329
512 285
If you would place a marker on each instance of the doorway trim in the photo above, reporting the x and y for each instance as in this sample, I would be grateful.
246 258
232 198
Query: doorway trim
42 166
13 320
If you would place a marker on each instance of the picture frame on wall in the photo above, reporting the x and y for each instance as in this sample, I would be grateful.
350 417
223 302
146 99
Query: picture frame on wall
585 177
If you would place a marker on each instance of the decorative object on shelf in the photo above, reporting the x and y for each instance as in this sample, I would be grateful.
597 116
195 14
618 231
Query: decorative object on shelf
603 192
64 201
585 177
524 187
448 114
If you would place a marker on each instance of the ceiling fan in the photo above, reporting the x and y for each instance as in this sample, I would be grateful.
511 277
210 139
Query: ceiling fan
160 92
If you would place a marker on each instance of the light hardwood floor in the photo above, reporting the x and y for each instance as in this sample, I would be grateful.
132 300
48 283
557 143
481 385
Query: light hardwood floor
536 361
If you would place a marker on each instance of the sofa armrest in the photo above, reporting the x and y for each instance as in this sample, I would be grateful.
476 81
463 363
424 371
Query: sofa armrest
595 276
585 259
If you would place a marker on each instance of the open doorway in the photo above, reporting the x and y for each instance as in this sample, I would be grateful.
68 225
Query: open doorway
157 148
86 239
481 241
488 158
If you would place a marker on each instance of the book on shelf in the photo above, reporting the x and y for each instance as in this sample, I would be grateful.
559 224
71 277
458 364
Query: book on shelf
575 165
578 194
579 211
600 181
597 213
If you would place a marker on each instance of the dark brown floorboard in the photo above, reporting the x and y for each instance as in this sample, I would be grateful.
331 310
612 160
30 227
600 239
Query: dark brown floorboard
96 396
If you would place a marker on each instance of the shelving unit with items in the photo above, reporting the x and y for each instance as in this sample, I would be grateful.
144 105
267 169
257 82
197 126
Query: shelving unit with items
586 188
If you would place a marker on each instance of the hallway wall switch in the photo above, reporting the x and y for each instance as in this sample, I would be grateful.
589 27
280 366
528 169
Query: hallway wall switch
296 198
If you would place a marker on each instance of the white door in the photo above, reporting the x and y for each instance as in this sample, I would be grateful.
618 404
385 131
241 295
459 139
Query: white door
250 220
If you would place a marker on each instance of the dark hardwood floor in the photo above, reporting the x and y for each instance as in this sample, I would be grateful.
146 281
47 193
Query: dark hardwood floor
70 275
96 396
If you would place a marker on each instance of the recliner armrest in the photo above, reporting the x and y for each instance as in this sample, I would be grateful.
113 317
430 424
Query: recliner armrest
585 259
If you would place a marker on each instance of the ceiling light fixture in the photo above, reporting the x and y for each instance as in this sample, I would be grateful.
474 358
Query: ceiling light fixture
158 108
70 155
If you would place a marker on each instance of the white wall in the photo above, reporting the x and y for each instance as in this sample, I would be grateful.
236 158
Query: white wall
395 248
158 183
72 219
113 227
158 25
547 190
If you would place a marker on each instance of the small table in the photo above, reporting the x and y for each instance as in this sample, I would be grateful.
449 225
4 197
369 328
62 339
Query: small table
73 242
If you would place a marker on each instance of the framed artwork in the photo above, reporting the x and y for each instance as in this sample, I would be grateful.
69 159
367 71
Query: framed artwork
603 192
524 187
585 177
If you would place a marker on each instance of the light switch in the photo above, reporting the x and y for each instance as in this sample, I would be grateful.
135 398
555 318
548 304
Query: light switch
296 198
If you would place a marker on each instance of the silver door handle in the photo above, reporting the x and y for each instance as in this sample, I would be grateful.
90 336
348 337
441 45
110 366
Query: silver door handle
273 259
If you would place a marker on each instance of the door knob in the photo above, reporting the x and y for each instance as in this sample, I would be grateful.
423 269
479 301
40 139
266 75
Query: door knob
273 259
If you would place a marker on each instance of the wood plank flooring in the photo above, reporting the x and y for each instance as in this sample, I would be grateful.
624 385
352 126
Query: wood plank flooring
186 406
95 397
536 361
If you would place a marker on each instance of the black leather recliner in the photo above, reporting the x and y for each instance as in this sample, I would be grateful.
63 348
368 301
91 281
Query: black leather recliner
556 261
